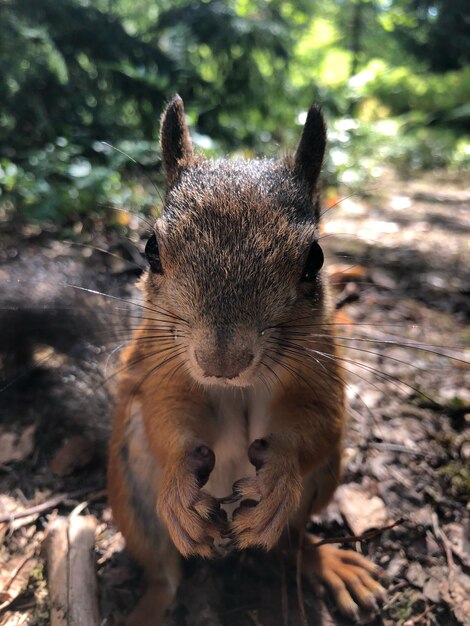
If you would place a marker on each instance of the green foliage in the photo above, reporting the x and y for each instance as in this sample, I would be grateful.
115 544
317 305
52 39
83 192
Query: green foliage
77 73
82 72
359 151
440 97
456 476
64 65
59 185
434 31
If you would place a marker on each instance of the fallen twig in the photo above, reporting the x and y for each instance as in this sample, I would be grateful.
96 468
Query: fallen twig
12 597
391 447
392 598
440 535
50 504
415 620
57 549
366 536
17 570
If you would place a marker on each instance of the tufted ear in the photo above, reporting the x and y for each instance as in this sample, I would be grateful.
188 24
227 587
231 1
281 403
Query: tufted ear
311 148
175 142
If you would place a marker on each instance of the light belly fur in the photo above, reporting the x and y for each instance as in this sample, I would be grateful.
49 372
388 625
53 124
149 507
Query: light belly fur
242 415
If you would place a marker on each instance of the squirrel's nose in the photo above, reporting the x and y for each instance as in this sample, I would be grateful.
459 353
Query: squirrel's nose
223 364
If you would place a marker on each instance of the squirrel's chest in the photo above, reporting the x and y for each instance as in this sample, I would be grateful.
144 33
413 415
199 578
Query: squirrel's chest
241 416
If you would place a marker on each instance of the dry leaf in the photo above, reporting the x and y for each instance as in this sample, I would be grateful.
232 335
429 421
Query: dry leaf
14 446
416 575
383 279
455 590
404 432
431 588
396 567
361 510
14 577
459 537
7 506
17 618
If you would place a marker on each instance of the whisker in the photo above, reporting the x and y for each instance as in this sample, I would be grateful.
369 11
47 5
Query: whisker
289 323
110 356
300 353
130 364
283 342
88 246
381 375
273 373
149 225
171 373
377 327
109 313
294 373
138 304
424 347
338 202
136 389
136 163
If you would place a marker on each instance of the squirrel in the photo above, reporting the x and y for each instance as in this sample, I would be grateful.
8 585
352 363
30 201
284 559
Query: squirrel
230 409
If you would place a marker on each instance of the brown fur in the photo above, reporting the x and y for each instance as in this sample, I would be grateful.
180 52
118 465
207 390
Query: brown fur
210 368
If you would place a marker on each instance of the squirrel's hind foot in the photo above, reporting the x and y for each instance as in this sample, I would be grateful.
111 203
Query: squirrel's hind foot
348 575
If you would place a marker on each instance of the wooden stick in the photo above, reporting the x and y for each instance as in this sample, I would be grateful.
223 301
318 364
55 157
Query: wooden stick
57 549
71 572
82 586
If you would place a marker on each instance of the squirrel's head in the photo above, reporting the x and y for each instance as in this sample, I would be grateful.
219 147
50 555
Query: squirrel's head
235 255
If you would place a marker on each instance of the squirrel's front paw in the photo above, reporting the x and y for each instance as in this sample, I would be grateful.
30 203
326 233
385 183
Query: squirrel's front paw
193 518
267 499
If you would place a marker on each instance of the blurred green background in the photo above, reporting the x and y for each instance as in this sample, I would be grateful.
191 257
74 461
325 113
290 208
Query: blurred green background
83 84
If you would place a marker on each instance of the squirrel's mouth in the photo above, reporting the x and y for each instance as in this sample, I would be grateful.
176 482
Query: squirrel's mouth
247 378
237 381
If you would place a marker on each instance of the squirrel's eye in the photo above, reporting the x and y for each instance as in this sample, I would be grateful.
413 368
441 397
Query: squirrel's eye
313 264
153 256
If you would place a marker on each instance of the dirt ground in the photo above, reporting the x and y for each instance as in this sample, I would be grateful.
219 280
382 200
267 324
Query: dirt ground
400 262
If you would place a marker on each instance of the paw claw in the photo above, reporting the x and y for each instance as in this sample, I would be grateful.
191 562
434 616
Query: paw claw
229 499
371 603
381 594
239 485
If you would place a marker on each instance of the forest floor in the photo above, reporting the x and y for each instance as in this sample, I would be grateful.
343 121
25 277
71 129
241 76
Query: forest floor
400 261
